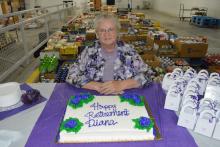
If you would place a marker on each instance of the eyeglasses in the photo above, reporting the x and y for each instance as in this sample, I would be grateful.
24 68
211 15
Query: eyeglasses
109 30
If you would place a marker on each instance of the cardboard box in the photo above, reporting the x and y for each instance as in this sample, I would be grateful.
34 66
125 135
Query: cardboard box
142 37
214 68
156 44
151 60
15 5
5 7
68 57
50 75
69 50
168 53
128 38
90 36
140 15
197 50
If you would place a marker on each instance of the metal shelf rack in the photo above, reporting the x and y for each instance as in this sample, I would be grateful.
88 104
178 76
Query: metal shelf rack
185 13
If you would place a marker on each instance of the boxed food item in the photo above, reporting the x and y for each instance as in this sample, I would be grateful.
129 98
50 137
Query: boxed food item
191 49
192 46
151 60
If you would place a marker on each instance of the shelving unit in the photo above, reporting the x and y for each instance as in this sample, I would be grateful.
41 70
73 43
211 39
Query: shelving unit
5 40
67 2
95 5
91 5
16 51
185 13
202 11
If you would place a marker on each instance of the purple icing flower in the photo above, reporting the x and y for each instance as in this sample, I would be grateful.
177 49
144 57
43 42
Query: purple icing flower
78 97
70 124
134 96
126 96
144 121
75 100
85 96
136 99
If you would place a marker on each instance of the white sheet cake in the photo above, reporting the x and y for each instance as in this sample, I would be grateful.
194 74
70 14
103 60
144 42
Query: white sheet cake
106 119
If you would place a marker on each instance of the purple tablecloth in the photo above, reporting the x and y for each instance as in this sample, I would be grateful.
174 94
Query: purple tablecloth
23 107
45 131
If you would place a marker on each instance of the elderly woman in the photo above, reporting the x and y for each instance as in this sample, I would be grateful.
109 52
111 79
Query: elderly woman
110 66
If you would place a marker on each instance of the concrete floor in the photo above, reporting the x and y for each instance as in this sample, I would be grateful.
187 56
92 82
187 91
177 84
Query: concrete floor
179 27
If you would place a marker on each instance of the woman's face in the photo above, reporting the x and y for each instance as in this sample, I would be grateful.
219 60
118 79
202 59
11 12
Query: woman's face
107 32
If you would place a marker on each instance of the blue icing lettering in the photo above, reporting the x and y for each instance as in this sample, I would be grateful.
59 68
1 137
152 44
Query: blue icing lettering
89 114
94 119
96 123
97 106
99 114
92 114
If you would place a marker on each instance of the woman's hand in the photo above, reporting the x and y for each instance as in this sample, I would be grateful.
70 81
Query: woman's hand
93 86
117 87
112 87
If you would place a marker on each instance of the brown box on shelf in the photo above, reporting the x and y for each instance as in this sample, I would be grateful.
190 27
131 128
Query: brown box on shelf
196 50
90 36
50 75
140 15
104 8
97 5
5 7
214 68
128 38
15 5
68 57
151 60
156 44
142 37
149 52
168 53
124 21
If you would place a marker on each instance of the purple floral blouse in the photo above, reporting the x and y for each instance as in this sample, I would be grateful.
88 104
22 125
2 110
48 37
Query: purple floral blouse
90 66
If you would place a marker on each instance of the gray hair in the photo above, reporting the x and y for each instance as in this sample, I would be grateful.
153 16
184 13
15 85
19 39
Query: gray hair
105 16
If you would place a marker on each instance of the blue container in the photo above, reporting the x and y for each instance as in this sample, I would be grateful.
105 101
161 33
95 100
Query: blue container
194 18
218 22
213 22
205 21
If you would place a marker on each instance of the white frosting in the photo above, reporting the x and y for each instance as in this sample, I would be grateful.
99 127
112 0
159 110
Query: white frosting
10 94
123 130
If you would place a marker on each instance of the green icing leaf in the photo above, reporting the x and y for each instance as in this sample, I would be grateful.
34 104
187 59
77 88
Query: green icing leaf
76 128
75 106
79 103
137 125
91 97
132 101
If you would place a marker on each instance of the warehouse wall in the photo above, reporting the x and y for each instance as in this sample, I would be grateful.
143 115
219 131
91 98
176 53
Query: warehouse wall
120 3
124 3
44 3
1 11
171 7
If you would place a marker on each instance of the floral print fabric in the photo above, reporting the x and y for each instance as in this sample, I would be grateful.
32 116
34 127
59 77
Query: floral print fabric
90 66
